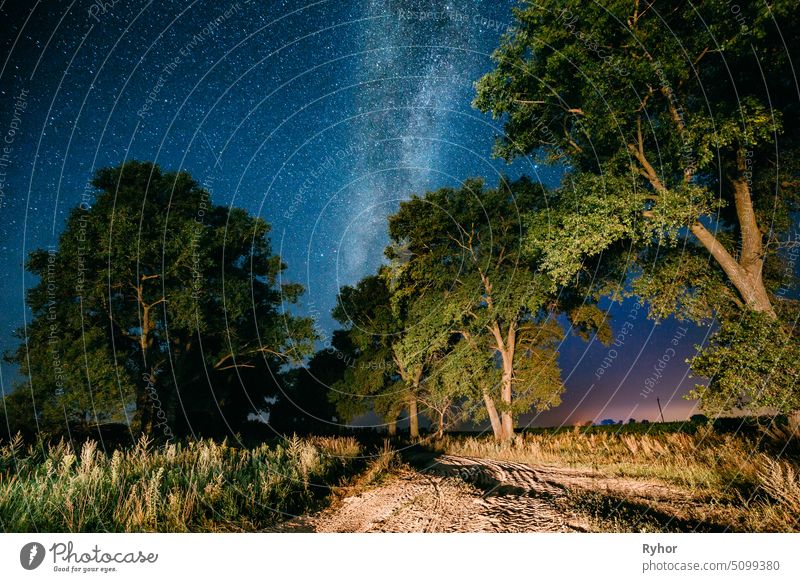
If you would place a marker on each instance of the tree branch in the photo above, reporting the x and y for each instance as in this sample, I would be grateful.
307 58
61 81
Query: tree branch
649 171
752 248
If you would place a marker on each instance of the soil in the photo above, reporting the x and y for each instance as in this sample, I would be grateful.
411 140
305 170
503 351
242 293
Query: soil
447 493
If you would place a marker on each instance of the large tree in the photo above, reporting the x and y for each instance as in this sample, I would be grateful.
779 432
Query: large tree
677 123
463 247
161 310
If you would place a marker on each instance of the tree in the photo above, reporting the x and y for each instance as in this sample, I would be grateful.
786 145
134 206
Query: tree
393 351
161 309
462 247
303 405
752 362
424 348
371 382
678 123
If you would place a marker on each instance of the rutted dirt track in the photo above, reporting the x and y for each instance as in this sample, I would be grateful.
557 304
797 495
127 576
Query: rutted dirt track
462 494
457 494
448 493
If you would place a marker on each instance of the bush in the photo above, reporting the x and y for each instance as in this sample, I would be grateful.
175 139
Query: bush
192 486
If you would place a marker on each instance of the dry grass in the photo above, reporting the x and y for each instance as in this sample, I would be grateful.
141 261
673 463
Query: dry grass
386 462
750 480
197 486
382 465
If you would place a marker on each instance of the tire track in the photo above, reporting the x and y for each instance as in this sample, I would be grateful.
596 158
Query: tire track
453 495
449 493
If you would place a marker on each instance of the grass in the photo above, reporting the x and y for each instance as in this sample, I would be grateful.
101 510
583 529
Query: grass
752 482
193 486
741 481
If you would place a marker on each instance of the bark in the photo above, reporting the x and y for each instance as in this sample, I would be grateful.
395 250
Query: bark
494 418
507 418
748 282
413 418
148 396
491 409
752 247
440 427
507 421
413 382
147 324
144 410
752 256
506 349
146 399
392 428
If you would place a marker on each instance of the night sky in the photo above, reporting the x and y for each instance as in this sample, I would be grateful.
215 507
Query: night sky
320 117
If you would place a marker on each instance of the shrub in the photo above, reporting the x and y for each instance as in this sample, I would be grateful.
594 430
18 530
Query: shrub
192 486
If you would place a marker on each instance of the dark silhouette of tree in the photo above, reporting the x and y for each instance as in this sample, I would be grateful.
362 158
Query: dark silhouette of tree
157 309
304 405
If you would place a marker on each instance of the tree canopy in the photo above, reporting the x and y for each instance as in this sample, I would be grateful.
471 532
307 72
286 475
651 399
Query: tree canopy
678 125
458 321
157 309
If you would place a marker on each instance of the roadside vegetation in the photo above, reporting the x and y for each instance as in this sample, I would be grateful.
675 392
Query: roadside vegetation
183 487
742 481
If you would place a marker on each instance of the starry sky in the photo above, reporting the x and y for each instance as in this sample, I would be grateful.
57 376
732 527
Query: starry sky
320 116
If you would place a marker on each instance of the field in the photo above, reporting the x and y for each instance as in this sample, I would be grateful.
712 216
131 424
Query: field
194 486
746 480
675 477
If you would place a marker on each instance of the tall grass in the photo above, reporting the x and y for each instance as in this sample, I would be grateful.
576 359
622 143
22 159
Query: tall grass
759 475
194 486
703 460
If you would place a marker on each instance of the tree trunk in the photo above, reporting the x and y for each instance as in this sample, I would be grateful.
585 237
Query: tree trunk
392 428
144 405
505 395
748 281
147 399
746 273
508 426
494 418
440 428
413 417
506 349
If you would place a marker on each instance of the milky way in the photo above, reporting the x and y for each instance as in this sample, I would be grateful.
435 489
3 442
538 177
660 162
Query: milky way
320 117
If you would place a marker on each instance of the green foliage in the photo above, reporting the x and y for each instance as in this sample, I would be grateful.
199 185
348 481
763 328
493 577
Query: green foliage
751 362
462 253
158 309
584 219
458 322
678 86
673 119
371 379
682 284
574 78
183 487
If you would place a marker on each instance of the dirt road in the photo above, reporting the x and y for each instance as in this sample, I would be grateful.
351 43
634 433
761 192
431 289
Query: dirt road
447 493
461 494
